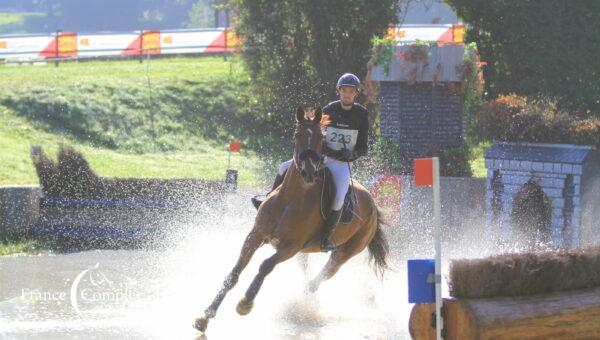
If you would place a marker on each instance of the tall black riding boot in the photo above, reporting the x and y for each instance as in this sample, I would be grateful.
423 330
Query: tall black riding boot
332 220
278 180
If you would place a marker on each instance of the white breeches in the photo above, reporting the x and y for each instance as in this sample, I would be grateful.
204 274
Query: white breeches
341 178
284 166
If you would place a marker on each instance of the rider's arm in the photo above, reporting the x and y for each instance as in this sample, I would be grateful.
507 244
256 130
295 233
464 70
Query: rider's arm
362 141
326 150
361 147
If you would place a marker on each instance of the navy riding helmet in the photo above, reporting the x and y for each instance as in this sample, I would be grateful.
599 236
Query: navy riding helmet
348 79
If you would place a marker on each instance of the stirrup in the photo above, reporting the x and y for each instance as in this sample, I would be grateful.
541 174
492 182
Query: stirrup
327 247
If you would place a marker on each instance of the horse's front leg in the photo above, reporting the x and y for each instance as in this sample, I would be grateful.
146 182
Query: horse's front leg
245 305
251 244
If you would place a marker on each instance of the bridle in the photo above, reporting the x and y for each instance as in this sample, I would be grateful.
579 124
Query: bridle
310 154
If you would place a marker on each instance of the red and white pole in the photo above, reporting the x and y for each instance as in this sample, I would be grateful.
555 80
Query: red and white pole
427 173
437 223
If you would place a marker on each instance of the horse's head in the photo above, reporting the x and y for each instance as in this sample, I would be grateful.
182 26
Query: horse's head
308 140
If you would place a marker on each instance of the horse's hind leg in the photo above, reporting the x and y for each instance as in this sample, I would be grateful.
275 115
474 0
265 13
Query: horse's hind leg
303 263
245 305
345 252
336 260
251 244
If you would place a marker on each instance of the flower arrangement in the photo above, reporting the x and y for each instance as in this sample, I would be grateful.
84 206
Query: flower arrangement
418 51
470 69
382 53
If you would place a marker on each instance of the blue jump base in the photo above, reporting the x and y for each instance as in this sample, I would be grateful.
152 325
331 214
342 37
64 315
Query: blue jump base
421 282
109 203
117 233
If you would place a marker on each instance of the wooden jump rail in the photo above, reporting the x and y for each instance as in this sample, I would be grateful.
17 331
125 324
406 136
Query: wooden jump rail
564 315
539 295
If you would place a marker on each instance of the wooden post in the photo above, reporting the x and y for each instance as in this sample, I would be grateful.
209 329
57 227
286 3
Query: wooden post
438 247
141 46
56 46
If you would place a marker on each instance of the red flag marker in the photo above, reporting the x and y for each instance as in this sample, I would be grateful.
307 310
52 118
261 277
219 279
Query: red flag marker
234 146
424 172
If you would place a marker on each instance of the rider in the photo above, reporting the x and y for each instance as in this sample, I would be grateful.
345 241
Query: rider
346 140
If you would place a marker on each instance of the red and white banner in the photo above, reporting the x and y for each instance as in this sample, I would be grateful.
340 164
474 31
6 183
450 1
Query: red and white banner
89 45
193 41
442 34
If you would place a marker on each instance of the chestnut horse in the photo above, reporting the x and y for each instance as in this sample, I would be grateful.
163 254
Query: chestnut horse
290 220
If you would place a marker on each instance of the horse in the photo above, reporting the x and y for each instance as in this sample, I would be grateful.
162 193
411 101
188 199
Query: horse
290 220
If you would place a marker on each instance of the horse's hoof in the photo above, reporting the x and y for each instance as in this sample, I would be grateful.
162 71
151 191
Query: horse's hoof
201 324
244 306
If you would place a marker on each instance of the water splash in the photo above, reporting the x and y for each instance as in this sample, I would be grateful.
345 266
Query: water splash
175 282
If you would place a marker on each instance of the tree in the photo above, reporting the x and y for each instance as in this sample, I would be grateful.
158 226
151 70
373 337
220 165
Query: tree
537 47
113 15
201 15
96 15
296 50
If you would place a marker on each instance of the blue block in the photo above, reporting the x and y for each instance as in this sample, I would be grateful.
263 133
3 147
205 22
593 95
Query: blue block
421 283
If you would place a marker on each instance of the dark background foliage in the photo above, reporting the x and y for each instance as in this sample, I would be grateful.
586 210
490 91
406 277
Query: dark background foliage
535 47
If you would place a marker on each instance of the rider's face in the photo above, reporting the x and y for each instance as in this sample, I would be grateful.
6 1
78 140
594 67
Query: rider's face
347 94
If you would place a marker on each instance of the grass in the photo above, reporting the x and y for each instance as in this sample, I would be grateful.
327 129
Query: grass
12 243
161 105
13 23
17 135
125 71
16 243
177 128
10 19
477 158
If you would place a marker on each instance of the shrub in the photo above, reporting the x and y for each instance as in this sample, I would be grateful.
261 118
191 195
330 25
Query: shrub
385 156
531 214
538 120
526 273
454 162
586 132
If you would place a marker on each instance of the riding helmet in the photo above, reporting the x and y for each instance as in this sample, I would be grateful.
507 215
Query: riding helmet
348 79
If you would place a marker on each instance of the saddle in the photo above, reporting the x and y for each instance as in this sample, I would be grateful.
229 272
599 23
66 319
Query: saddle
328 194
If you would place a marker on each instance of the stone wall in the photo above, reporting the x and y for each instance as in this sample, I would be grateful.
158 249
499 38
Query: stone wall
425 119
561 181
590 201
553 183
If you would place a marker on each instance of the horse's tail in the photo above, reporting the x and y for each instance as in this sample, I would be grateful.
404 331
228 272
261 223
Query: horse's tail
379 248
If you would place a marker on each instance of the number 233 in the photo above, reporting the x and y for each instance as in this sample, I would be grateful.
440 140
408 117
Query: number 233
340 138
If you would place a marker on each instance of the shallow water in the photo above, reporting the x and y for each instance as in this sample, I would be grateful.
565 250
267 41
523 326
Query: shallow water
157 294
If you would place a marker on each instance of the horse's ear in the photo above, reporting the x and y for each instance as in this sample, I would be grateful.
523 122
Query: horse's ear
300 114
318 115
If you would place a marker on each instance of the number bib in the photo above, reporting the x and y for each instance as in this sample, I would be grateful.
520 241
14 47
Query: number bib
336 138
